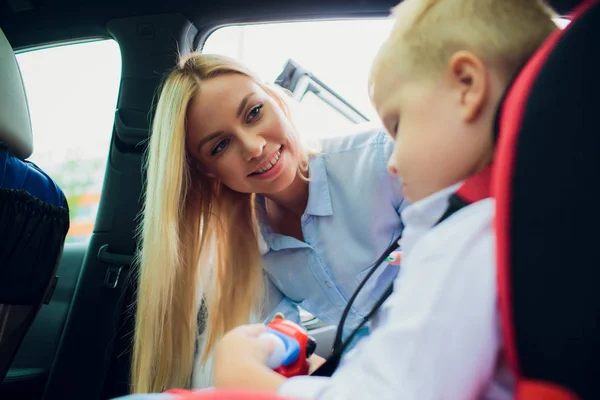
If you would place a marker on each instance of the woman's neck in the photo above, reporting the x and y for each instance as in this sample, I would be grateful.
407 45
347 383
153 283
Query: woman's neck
293 199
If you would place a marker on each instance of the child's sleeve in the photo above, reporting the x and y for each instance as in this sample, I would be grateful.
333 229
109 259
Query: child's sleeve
306 387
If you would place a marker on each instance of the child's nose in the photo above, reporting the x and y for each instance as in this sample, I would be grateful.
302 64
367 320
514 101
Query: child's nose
392 168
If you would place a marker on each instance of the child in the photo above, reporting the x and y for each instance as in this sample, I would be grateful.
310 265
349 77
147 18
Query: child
436 84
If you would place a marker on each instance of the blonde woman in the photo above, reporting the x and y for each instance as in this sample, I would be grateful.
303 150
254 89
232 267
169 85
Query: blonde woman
240 218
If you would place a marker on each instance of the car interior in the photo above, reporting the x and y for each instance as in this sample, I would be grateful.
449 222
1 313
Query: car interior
34 216
74 341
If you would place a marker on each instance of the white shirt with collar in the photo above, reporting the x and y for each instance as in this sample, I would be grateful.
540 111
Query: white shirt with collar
438 335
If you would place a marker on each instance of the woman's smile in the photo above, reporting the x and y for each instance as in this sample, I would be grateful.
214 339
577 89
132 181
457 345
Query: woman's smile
270 167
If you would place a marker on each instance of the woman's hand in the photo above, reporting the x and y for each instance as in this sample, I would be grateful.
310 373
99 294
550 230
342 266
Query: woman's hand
240 360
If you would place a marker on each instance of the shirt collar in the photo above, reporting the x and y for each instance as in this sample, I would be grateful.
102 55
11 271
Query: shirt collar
319 198
319 204
424 214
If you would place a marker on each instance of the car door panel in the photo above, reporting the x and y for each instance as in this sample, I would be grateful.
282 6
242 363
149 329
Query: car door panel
29 370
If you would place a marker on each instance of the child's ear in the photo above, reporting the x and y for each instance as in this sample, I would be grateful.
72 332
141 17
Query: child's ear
468 76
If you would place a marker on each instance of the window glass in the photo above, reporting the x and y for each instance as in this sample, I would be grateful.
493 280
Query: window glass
72 93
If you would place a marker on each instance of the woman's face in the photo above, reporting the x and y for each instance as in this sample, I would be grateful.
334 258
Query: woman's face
239 134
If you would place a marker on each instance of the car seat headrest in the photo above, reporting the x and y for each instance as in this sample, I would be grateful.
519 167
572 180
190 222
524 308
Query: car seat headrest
15 124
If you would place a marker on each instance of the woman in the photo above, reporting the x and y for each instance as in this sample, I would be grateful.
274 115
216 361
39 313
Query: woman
235 202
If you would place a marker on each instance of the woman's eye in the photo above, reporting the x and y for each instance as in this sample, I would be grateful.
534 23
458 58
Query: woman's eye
219 147
254 113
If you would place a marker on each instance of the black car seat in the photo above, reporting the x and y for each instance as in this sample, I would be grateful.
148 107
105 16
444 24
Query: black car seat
548 218
34 216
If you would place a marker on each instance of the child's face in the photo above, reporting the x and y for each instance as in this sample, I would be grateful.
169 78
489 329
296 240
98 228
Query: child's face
441 126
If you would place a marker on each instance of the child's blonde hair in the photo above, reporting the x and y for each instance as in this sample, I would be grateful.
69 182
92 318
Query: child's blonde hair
503 33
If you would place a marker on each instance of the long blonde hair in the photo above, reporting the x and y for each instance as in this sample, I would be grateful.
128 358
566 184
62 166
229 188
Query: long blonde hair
186 217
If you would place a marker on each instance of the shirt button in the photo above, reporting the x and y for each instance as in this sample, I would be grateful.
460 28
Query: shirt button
328 284
304 217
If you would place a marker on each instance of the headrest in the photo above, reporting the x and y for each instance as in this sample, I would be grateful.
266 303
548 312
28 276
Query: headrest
15 125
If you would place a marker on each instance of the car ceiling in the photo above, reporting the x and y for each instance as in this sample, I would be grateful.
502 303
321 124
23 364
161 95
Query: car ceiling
34 22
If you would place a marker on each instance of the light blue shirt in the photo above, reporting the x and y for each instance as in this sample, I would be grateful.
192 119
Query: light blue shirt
352 216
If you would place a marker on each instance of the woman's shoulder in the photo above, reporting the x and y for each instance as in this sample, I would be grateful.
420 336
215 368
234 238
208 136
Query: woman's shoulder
358 140
361 154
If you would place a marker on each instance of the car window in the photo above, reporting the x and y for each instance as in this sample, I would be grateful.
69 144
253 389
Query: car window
72 93
338 52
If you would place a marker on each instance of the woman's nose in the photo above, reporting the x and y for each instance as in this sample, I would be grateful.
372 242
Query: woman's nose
253 146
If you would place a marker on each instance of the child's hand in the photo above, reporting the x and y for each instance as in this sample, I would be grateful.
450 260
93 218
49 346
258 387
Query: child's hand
241 346
240 360
394 258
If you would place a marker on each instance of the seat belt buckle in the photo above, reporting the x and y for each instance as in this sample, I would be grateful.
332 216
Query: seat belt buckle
115 264
111 278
